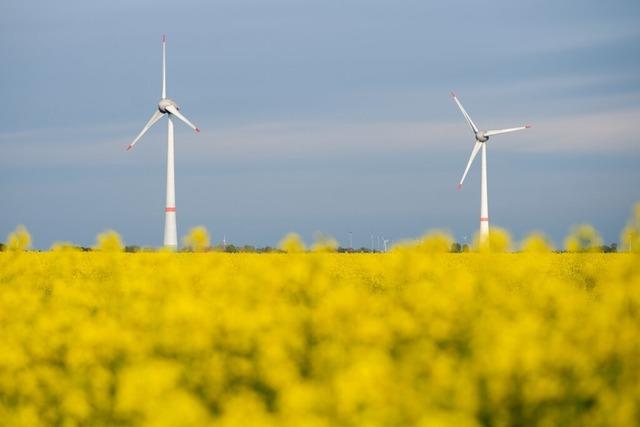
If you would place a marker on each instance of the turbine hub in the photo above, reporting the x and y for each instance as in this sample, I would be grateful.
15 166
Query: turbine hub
164 103
480 136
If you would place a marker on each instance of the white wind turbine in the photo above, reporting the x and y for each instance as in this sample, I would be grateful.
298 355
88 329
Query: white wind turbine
170 108
481 136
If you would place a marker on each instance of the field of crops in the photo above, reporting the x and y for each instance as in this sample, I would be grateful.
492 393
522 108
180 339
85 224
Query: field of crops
406 338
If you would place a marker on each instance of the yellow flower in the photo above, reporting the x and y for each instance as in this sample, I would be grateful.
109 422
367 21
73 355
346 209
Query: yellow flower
417 336
499 241
19 240
583 238
536 243
631 235
197 240
324 243
292 243
109 241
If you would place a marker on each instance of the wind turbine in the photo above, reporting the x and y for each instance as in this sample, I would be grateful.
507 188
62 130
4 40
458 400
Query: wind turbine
170 108
481 136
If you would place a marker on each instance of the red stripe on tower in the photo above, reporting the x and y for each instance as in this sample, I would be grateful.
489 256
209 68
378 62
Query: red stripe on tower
484 218
170 209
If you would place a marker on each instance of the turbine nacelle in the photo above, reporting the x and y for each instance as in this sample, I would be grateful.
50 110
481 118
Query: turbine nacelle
481 137
165 103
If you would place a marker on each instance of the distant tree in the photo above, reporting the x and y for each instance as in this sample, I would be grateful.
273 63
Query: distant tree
455 247
2 247
231 248
132 248
350 250
465 248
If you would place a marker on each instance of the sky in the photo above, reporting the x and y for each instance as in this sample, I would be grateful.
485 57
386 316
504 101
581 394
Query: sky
318 116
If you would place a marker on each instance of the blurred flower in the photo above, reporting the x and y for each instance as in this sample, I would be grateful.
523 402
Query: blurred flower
19 240
324 243
109 241
292 243
432 242
197 240
325 339
583 238
536 243
499 241
631 234
64 247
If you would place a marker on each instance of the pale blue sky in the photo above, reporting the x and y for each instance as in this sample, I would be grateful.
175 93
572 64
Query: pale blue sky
329 116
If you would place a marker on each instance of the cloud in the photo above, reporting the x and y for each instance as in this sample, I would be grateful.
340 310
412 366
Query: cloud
587 133
614 131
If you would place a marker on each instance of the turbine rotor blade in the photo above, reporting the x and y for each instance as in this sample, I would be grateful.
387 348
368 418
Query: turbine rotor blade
474 153
156 116
174 111
473 126
164 66
501 131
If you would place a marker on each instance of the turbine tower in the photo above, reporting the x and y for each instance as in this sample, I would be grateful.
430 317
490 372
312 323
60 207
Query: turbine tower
481 137
170 108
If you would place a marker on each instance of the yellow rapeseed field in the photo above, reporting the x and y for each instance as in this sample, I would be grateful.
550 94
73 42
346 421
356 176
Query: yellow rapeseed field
319 339
415 337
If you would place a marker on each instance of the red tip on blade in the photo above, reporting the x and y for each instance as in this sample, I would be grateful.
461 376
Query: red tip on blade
129 147
527 126
164 38
197 130
452 94
459 186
